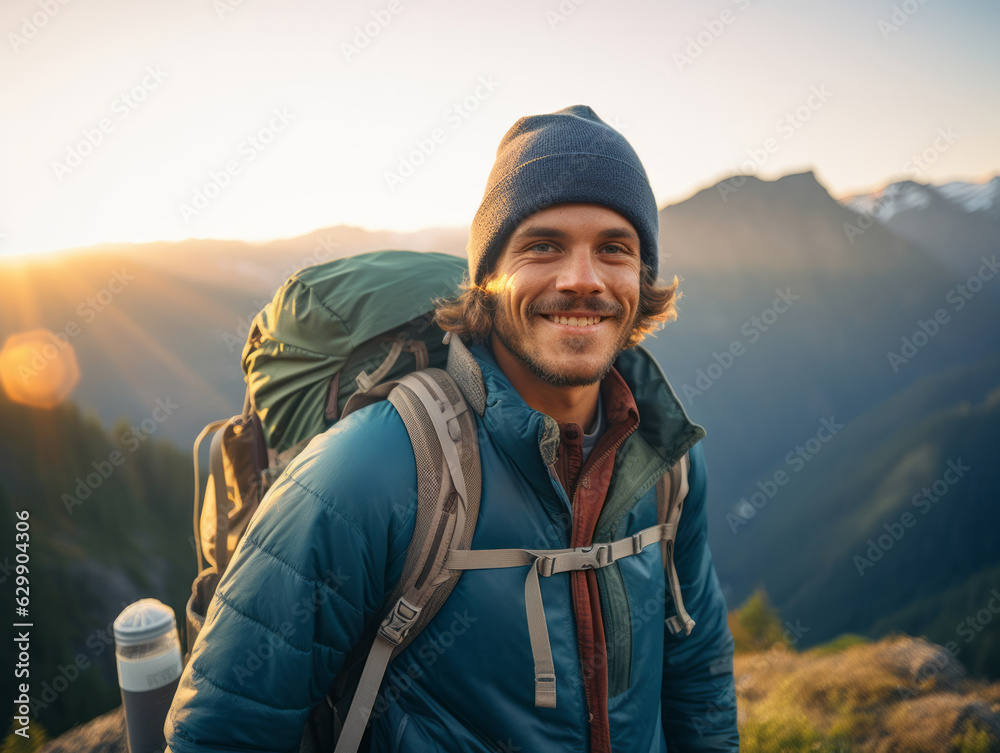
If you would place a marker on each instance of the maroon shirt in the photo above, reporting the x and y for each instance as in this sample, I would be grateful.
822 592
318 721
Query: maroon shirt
586 484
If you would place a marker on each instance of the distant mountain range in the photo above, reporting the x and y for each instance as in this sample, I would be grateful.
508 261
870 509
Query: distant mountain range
956 221
839 354
908 195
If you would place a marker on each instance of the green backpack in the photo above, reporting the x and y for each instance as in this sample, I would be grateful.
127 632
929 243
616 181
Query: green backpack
337 337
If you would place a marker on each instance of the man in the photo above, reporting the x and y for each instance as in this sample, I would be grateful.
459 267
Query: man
575 429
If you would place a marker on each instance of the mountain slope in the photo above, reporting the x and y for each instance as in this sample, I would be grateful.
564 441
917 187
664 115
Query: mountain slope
761 373
897 511
110 522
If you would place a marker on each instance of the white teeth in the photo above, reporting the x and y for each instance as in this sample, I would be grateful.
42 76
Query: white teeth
574 321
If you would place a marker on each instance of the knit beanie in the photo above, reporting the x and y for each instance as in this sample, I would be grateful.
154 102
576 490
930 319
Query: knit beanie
566 156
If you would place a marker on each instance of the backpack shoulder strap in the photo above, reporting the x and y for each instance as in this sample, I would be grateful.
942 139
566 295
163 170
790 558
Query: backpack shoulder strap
442 430
671 491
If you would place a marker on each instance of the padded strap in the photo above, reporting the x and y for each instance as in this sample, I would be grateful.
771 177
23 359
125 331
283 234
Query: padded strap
449 526
548 562
445 421
466 373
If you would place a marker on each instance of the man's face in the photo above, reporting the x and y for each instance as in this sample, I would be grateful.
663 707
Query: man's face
566 289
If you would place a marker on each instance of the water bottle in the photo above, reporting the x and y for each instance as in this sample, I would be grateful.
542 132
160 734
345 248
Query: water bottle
148 651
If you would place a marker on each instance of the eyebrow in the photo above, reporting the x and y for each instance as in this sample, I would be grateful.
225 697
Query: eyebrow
536 231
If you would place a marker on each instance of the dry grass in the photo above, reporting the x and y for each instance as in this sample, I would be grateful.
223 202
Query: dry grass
900 694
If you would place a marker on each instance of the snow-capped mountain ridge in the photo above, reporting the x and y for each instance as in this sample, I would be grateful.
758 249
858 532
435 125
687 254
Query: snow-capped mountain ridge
909 195
973 197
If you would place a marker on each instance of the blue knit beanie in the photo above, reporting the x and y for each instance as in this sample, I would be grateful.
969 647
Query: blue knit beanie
566 156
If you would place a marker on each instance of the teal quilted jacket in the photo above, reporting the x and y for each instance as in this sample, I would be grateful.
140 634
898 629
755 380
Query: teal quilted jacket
328 545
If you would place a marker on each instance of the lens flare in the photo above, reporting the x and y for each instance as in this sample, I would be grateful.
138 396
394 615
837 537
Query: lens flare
38 368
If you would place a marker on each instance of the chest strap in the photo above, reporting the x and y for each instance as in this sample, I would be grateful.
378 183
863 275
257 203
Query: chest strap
545 563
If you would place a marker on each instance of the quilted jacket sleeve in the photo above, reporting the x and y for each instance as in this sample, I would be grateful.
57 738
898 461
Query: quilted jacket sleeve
699 695
326 546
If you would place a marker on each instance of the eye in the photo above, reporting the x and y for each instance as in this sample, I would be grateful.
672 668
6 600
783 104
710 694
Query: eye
616 248
543 248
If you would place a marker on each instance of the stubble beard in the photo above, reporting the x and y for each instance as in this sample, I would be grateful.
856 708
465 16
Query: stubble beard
515 345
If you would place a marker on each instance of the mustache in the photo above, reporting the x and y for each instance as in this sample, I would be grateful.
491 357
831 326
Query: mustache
595 306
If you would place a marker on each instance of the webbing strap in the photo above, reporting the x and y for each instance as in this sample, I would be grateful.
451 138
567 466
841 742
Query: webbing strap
538 633
671 490
365 695
548 562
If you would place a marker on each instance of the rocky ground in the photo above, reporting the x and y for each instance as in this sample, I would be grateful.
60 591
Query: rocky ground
899 695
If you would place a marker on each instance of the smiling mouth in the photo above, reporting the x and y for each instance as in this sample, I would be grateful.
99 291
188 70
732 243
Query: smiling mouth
575 321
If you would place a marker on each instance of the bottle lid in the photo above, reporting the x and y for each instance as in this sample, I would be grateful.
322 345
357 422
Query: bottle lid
144 621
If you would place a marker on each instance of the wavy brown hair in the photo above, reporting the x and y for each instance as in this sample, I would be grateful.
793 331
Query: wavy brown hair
470 313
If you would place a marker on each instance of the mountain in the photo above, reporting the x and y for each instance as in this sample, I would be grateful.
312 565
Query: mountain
169 320
852 357
958 222
891 526
809 348
762 373
907 195
109 522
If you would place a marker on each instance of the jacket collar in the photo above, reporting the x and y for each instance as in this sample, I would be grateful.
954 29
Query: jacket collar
663 422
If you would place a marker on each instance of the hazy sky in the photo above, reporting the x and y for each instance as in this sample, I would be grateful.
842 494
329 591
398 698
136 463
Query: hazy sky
254 119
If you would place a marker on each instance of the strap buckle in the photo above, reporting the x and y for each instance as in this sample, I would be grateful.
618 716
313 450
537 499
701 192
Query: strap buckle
399 621
600 556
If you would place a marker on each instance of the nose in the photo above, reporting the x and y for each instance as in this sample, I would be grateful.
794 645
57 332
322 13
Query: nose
578 274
